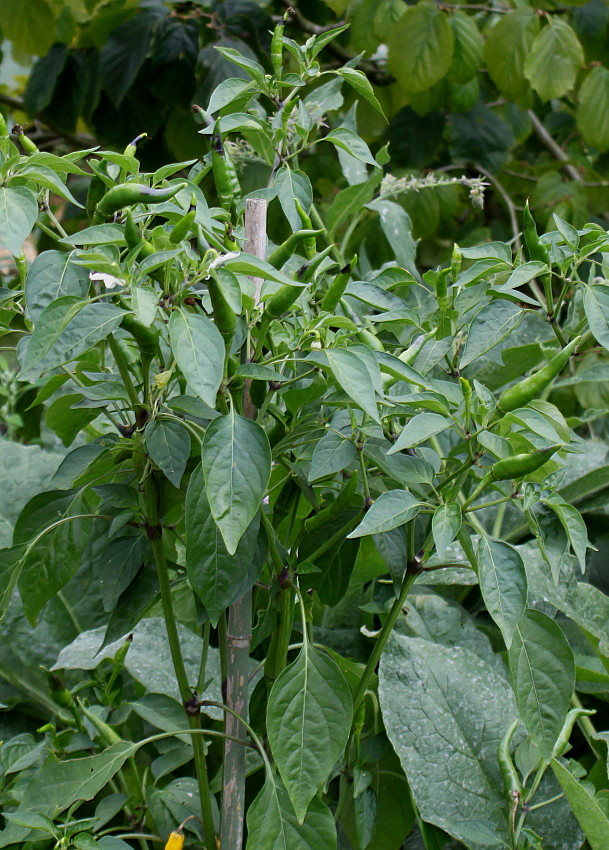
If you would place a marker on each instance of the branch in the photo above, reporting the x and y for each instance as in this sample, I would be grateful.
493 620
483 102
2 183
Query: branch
76 140
553 146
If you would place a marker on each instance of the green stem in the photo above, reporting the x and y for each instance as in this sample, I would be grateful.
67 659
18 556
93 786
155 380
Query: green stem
409 579
586 725
154 530
123 368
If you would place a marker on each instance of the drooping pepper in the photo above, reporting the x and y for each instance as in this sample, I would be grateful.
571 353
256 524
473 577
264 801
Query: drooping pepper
518 466
183 228
283 252
512 785
224 316
129 194
525 391
309 244
336 290
220 169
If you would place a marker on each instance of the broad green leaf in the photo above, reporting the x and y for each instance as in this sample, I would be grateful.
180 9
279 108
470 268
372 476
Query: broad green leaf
468 46
420 47
293 185
47 179
250 265
255 70
390 510
199 350
228 91
18 214
445 525
361 84
543 675
593 109
219 579
349 141
348 202
168 444
309 716
52 275
65 330
144 301
11 564
591 815
99 234
555 58
508 45
352 376
122 561
333 453
57 785
419 429
273 825
596 308
125 51
28 24
24 472
445 709
503 584
573 524
236 461
494 323
397 229
32 820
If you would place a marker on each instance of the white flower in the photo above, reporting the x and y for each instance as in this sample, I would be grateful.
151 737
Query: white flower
108 280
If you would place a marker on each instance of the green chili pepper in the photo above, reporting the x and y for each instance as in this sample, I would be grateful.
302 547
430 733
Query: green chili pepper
224 315
512 785
563 739
309 244
307 271
283 252
258 392
183 228
131 148
456 262
517 466
281 301
229 241
133 237
147 339
370 339
26 143
232 173
525 391
537 251
277 45
336 290
222 175
129 194
339 504
60 694
466 389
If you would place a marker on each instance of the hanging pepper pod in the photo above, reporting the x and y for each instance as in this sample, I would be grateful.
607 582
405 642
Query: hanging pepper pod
309 244
131 148
277 45
229 241
337 288
536 250
26 143
129 194
512 785
563 739
224 316
175 841
518 466
183 228
283 252
220 169
307 271
133 237
532 387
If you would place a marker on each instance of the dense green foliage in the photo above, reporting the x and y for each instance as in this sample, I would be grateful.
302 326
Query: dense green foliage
346 488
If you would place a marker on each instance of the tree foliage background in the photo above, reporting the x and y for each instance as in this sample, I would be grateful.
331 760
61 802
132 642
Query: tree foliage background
517 91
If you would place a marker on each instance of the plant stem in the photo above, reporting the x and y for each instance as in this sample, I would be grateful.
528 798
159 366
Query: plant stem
409 578
154 531
121 363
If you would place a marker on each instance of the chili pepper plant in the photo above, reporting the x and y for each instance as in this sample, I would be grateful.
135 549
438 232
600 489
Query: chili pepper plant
293 548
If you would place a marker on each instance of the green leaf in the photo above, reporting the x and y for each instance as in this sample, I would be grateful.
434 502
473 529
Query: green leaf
591 815
228 91
99 234
348 202
353 144
168 444
508 44
494 323
444 710
52 275
309 716
574 525
555 58
250 265
593 108
31 820
420 47
419 429
236 461
397 228
272 824
503 584
24 472
47 179
219 579
352 376
293 185
199 350
333 453
122 561
543 675
390 510
361 84
445 525
65 330
18 215
596 308
28 24
125 51
468 48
